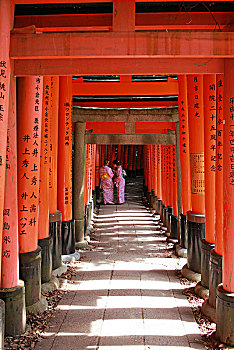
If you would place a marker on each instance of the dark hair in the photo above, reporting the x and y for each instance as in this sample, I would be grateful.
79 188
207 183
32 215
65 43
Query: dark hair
116 162
106 161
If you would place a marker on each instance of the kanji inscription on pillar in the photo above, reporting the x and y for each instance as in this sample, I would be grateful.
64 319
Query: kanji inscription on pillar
197 173
30 164
219 125
29 148
231 140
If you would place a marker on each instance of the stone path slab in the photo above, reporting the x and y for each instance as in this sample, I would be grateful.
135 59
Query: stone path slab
126 295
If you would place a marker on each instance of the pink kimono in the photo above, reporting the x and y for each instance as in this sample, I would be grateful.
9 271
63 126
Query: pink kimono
106 175
120 184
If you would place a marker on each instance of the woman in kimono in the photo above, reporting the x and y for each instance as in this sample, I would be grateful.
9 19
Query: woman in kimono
120 182
106 175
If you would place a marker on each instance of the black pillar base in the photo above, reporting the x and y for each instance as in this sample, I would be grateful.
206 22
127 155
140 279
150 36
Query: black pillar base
169 213
56 233
134 173
2 324
30 273
97 191
155 203
15 310
165 216
205 262
225 316
158 207
215 276
174 225
68 237
46 245
151 198
183 232
162 206
196 232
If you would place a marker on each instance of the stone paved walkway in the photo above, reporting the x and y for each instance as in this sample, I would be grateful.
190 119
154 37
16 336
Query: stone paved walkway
126 294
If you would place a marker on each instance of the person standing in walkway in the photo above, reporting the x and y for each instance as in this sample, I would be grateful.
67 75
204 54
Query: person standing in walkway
106 175
120 181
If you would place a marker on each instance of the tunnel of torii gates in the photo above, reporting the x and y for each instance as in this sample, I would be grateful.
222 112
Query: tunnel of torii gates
186 152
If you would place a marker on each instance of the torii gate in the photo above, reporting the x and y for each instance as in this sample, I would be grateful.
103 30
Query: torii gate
123 51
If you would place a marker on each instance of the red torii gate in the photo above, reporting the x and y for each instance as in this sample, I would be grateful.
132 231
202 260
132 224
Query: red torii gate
125 51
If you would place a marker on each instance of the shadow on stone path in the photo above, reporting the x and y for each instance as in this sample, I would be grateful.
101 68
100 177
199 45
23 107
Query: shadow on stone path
126 294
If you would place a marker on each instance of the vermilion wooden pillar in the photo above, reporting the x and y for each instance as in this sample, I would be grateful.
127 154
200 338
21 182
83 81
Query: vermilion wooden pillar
170 158
97 170
215 272
53 171
65 164
209 89
174 216
55 214
86 185
94 166
29 114
10 265
196 217
162 180
169 188
89 172
6 24
174 175
219 167
184 157
152 174
155 176
12 290
44 166
228 176
154 164
225 291
145 169
44 240
149 178
165 184
155 149
86 176
97 166
89 186
159 178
